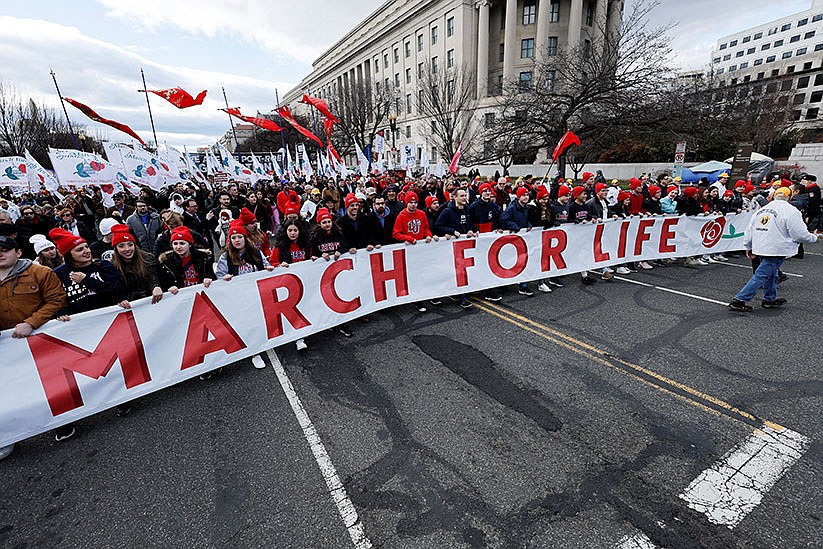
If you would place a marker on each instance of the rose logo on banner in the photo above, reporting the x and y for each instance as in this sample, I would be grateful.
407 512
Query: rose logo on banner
712 231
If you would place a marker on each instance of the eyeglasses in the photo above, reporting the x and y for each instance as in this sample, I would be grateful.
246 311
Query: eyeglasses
28 213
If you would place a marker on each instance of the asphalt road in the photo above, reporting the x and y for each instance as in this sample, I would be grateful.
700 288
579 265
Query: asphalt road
573 419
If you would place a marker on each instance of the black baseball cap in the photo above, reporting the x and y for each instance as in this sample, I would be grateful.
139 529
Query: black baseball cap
8 243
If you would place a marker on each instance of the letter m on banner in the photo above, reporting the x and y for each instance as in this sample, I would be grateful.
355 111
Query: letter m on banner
58 361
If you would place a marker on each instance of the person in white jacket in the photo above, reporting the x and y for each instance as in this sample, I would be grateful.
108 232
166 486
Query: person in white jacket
772 235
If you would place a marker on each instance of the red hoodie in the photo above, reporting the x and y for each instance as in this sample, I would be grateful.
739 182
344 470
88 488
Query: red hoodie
409 227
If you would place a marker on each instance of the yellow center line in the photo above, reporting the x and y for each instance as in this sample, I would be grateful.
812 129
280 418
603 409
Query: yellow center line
602 357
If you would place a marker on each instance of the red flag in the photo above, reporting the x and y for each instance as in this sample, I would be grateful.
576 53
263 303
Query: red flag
286 115
454 166
565 142
264 123
329 126
334 153
321 106
179 97
97 118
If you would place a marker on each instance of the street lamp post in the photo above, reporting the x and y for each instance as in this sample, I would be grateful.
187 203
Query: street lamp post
393 127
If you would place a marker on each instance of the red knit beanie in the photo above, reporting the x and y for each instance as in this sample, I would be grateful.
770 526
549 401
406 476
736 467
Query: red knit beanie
654 189
350 199
181 233
64 240
323 213
671 188
564 190
521 191
600 187
587 176
577 191
635 183
623 195
542 192
430 200
247 217
121 233
690 192
237 227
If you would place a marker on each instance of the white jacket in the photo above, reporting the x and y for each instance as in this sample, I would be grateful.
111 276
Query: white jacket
776 229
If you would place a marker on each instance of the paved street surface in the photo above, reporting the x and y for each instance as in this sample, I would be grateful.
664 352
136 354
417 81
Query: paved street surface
612 415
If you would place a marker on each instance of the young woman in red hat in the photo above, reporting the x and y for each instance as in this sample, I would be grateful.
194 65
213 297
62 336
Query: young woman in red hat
239 254
328 242
185 265
137 267
291 245
255 235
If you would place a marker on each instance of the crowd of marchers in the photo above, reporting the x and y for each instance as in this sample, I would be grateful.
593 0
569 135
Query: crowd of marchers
65 253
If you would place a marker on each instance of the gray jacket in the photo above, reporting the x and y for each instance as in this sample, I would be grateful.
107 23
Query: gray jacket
146 234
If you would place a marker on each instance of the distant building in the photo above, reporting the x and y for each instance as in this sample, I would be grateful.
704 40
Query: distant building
242 131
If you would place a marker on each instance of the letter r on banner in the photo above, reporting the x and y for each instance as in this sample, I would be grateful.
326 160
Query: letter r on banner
57 361
273 308
329 292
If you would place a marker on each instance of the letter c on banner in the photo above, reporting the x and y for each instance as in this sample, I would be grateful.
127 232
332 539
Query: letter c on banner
522 256
328 291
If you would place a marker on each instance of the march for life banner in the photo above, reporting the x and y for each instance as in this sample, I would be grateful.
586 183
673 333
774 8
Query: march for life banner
81 169
143 167
70 370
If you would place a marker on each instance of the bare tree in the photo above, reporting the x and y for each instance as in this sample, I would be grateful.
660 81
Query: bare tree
616 81
446 101
362 108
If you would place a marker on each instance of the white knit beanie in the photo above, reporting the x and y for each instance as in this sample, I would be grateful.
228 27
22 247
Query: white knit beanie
40 243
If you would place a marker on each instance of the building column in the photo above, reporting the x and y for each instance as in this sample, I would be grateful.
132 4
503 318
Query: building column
543 9
600 24
614 18
510 41
575 22
483 48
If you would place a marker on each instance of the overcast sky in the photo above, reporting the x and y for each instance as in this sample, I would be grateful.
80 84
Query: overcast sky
250 47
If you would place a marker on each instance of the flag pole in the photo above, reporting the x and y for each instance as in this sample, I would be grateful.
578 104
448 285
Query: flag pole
71 130
280 119
148 104
231 121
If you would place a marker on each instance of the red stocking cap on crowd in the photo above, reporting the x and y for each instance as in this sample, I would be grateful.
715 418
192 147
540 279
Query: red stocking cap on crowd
654 189
564 190
64 240
323 213
182 233
236 226
247 217
121 233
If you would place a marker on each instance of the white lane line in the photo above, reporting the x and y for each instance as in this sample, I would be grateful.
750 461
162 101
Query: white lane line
731 488
338 492
636 541
749 267
813 253
676 292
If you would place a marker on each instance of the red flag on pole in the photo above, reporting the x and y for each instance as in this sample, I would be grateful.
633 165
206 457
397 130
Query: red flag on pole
320 105
454 166
179 97
97 118
286 115
329 126
565 142
264 123
334 153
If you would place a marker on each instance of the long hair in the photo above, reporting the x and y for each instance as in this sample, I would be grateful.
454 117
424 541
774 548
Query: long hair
282 242
136 266
236 257
52 263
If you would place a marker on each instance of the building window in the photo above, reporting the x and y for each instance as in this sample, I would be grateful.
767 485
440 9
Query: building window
589 14
551 46
488 120
803 82
746 78
750 51
732 83
387 84
397 80
396 55
764 47
385 60
408 131
434 36
795 38
778 43
746 39
802 21
785 27
450 59
816 97
551 76
499 87
420 70
408 76
733 43
807 65
799 99
408 103
758 36
525 82
760 75
818 80
770 59
587 49
818 47
434 65
790 70
723 46
529 11
419 42
407 46
376 63
554 11
771 88
527 48
817 17
502 52
786 55
733 68
450 26
796 115
808 35
773 31
786 85
811 114
758 61
727 57
420 97
775 72
739 54
720 71
744 65
800 51
716 60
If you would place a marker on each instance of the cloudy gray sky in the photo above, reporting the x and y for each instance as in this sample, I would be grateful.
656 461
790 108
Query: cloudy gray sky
250 47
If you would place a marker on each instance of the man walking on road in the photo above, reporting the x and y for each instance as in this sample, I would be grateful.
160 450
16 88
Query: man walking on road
773 235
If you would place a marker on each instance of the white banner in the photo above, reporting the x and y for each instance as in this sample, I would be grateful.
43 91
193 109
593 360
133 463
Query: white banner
70 370
143 167
81 169
13 173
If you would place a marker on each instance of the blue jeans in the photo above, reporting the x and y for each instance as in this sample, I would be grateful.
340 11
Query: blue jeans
764 277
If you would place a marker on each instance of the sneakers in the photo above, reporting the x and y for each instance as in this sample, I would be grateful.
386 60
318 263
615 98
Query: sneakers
64 432
691 263
420 308
773 304
556 282
543 287
491 295
6 451
123 410
702 261
301 345
435 301
588 280
645 265
257 362
344 331
525 291
607 275
737 305
720 257
466 304
782 277
623 271
710 259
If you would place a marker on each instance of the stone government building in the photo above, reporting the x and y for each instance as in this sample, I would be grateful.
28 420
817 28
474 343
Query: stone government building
496 38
